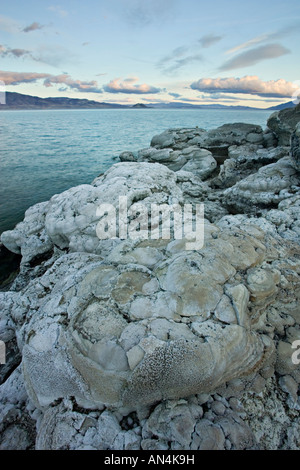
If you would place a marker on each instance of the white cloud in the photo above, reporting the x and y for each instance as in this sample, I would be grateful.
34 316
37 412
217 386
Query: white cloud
16 78
129 85
78 85
251 85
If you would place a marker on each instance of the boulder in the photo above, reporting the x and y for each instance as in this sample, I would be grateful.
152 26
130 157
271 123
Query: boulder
282 124
295 146
114 332
266 189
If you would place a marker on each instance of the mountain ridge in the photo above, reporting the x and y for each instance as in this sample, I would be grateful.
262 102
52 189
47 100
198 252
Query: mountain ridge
18 101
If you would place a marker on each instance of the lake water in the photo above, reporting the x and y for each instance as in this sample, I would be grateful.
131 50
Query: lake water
43 153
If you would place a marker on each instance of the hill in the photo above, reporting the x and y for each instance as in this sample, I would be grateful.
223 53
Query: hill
21 101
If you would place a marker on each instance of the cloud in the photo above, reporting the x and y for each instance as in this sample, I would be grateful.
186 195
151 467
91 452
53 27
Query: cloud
253 56
67 82
175 54
178 58
7 51
141 13
16 78
33 27
128 85
217 97
78 85
175 95
251 85
178 64
209 40
266 37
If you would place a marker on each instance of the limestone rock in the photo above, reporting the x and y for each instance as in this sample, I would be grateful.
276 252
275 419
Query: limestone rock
295 146
282 124
192 159
268 187
69 220
77 337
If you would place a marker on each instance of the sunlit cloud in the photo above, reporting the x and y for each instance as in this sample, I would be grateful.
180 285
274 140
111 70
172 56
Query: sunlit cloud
129 85
254 56
64 80
251 85
78 85
17 78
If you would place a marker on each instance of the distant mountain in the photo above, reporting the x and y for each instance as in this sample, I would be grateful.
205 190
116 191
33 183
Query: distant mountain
140 106
289 104
183 105
20 101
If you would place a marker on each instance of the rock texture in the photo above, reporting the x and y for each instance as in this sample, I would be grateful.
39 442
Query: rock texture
139 343
282 124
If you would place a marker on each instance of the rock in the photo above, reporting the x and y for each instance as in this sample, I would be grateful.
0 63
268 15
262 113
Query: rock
284 363
290 386
266 188
88 345
199 162
236 431
208 436
17 427
173 422
219 140
282 124
244 162
295 146
69 220
127 157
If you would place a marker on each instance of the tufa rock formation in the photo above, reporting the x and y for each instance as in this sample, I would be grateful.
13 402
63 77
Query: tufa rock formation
139 343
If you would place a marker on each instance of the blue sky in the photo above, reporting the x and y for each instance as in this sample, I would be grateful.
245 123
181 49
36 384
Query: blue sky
130 51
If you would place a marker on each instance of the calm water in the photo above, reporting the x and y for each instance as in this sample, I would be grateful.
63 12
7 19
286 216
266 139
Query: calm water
46 152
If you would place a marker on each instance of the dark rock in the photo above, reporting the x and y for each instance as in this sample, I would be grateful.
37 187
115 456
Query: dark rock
282 124
295 146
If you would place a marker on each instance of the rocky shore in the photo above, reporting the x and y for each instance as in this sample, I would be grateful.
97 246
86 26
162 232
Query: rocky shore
128 344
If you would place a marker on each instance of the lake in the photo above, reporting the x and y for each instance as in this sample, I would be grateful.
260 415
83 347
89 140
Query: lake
44 152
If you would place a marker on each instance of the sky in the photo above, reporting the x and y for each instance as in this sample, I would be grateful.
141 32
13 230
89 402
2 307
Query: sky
152 51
